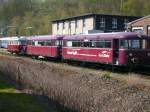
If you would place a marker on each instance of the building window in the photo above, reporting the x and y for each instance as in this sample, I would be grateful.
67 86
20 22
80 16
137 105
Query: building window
84 24
114 23
126 23
63 25
76 24
57 26
102 22
69 25
138 29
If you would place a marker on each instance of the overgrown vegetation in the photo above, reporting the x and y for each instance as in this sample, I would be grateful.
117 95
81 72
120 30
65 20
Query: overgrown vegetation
29 17
12 100
76 88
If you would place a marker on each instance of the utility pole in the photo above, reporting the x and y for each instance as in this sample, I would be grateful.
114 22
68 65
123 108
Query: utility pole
121 6
29 28
10 27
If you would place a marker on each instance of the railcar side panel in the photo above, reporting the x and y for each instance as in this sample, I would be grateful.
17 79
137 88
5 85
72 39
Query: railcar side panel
123 57
88 54
14 48
47 51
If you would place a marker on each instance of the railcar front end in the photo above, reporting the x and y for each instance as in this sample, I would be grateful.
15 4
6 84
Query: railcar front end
17 45
135 51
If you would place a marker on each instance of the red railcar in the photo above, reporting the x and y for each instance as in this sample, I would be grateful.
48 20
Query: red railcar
46 46
122 48
17 45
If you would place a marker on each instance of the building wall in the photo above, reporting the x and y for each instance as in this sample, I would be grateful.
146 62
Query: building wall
79 28
66 28
73 26
54 28
121 23
85 24
141 25
142 22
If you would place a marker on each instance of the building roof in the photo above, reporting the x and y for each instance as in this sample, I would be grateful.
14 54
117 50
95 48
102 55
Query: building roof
115 35
88 15
139 20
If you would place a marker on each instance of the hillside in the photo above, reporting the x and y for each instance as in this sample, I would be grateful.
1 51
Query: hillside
36 13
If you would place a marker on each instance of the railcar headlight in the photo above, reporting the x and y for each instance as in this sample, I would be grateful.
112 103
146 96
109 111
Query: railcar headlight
117 62
130 54
135 60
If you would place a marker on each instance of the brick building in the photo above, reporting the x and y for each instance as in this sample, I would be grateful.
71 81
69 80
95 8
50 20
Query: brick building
141 25
89 23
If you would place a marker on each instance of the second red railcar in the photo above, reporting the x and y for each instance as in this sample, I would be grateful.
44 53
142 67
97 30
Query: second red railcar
46 46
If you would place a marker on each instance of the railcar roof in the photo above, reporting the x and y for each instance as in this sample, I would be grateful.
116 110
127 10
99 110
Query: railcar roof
9 38
44 37
115 35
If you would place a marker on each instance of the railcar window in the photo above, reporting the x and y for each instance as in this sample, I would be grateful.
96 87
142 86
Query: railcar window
93 44
74 44
29 42
148 44
87 44
14 42
69 43
100 44
41 43
48 43
33 43
58 43
124 44
103 44
23 42
135 44
108 44
80 43
131 44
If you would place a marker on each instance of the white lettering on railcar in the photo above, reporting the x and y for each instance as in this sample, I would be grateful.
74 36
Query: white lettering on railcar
72 52
104 54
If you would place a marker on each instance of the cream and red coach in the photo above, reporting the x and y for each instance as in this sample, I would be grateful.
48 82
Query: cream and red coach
46 46
17 45
122 48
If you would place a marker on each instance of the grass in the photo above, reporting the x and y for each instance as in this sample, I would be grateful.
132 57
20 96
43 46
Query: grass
11 100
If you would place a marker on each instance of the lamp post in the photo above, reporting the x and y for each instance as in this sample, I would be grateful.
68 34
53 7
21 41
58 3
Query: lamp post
1 33
121 5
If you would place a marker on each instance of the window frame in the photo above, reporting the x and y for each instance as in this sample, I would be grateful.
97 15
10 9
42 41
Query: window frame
126 21
130 44
88 44
102 22
114 23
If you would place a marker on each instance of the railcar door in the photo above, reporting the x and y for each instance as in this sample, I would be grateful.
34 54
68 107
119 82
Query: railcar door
115 51
59 44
